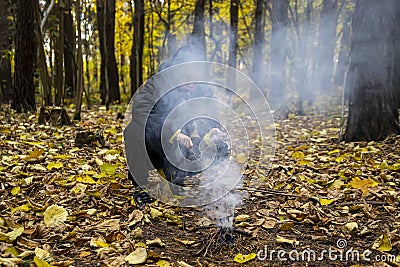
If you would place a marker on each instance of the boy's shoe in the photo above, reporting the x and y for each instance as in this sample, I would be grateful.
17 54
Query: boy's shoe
141 197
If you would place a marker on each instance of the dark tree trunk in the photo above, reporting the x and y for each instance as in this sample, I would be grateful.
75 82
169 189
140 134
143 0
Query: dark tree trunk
113 94
79 84
101 26
25 54
59 50
198 33
69 51
258 46
233 36
5 49
136 71
373 111
278 52
396 36
233 40
326 46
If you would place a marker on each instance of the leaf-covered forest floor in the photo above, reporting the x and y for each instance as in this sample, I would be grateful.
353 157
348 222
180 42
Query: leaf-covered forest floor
73 207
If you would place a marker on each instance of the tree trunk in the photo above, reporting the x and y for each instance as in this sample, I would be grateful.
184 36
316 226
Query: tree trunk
113 94
42 63
25 54
343 58
373 112
233 35
59 50
326 47
69 51
198 33
101 26
79 84
5 50
136 71
258 46
279 17
233 40
396 36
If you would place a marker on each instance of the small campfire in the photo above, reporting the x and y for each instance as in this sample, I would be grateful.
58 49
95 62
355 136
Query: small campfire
226 235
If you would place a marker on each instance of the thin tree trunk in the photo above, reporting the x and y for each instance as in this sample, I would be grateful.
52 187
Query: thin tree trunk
79 85
59 81
113 93
373 111
233 40
198 33
233 35
258 46
278 53
5 51
101 30
136 71
69 51
343 58
87 55
25 54
42 64
326 47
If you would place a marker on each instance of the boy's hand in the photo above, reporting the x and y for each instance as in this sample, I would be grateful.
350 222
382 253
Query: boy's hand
217 135
184 140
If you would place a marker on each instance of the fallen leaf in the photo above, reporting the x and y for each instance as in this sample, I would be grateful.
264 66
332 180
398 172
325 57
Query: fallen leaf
55 215
240 258
55 165
41 263
155 242
325 202
382 243
163 263
137 257
282 240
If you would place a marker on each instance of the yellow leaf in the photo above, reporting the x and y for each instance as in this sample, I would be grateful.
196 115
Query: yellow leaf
334 151
242 218
240 258
25 207
358 183
41 263
43 254
54 165
137 257
15 190
325 202
64 156
86 179
102 244
395 167
14 234
55 215
155 213
35 154
108 168
163 263
297 155
382 243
